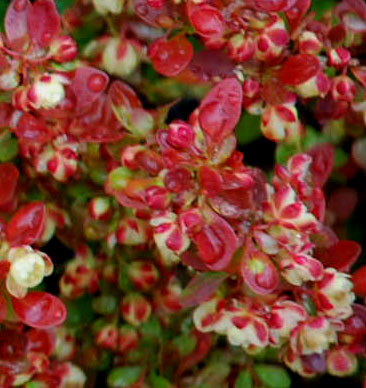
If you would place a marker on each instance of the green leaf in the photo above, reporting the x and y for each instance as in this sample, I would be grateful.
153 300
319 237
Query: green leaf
3 7
63 5
159 381
105 304
185 344
79 191
34 384
244 380
124 376
273 376
8 146
79 311
248 128
151 329
284 152
340 158
201 287
321 6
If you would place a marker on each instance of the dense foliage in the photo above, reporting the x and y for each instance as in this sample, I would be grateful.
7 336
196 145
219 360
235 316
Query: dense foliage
138 246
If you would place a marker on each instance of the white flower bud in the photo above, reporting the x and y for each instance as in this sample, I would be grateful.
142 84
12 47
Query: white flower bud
108 6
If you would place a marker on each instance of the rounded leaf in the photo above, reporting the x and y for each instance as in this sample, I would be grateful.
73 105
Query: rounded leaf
273 376
9 176
124 376
33 129
27 224
15 22
43 22
207 20
341 256
220 110
359 281
259 272
216 242
170 57
322 162
87 85
39 310
299 69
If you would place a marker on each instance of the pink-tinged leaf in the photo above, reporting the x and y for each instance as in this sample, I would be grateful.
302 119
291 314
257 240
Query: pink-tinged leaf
343 202
272 5
170 57
121 95
296 13
192 260
258 271
329 109
15 22
5 114
2 308
39 310
207 65
155 16
359 281
353 14
201 288
27 224
9 176
340 256
233 204
299 69
322 163
325 237
32 129
87 85
43 22
315 362
203 346
207 20
220 110
216 242
360 73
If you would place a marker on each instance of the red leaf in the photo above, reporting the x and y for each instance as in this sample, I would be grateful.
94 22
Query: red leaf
122 95
359 281
295 14
201 288
39 310
258 271
6 111
322 163
360 73
2 308
88 84
220 110
203 346
343 202
341 256
27 224
170 57
298 69
30 128
15 22
154 16
43 22
272 5
9 176
209 64
216 242
206 20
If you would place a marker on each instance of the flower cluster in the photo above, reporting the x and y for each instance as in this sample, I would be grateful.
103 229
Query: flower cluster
138 246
